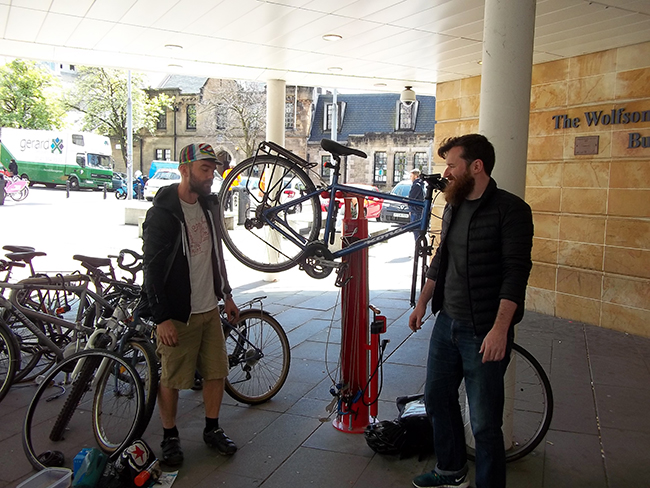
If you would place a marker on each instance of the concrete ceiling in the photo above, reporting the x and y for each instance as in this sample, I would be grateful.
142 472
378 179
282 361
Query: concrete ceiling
385 44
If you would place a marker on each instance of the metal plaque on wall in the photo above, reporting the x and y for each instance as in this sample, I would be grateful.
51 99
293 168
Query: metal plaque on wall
585 145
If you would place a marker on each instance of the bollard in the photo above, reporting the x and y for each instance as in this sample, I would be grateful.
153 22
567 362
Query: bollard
105 190
67 189
3 182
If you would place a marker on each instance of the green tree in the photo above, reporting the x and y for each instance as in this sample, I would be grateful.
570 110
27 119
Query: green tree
240 108
101 94
24 99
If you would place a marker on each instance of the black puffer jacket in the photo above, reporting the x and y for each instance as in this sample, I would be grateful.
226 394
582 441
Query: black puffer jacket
166 256
500 240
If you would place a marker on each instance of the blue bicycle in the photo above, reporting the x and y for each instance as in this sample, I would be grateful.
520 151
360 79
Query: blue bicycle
283 225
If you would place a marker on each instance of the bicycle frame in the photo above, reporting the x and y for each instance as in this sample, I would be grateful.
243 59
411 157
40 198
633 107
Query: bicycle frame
272 216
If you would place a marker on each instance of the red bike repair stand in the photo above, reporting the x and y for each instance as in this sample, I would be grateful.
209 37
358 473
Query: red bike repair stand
359 348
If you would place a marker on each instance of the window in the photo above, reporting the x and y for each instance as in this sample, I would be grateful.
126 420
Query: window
324 171
421 161
162 121
222 116
399 167
289 114
78 140
329 108
406 116
191 117
163 155
379 172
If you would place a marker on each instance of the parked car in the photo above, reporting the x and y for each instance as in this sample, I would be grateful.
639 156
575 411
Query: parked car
119 180
372 205
395 211
163 177
292 188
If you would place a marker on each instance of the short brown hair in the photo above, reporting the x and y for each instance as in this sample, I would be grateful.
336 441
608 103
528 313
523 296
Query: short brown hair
475 146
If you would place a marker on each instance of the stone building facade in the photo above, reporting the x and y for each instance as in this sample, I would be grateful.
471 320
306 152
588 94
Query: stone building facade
196 115
587 181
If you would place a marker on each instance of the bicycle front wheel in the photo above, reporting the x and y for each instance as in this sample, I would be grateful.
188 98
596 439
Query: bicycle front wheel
530 399
259 357
9 359
52 401
268 216
113 403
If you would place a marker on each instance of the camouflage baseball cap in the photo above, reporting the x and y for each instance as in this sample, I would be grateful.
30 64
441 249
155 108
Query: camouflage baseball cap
197 152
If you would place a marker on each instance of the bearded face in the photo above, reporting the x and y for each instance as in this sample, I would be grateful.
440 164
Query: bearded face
201 176
459 187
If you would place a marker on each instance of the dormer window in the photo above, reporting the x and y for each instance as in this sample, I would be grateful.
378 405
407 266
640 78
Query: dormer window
329 109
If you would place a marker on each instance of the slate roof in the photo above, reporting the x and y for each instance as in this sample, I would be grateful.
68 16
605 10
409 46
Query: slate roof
186 84
371 113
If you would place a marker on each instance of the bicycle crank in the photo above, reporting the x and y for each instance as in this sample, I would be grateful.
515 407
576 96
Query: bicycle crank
317 261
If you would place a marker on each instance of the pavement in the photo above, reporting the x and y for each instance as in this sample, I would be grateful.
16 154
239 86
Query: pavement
599 435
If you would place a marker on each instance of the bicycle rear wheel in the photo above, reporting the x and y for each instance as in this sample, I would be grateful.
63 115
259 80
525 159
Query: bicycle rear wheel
532 404
259 357
279 220
9 359
51 401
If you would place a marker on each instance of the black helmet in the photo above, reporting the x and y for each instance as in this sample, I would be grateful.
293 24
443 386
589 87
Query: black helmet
386 437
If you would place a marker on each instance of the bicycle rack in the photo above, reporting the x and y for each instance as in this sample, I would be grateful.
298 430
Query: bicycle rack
359 345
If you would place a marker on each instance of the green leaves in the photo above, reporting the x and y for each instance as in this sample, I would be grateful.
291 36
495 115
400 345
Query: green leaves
101 94
25 101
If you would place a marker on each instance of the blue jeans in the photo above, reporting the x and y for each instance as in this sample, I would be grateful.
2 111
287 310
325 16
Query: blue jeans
454 355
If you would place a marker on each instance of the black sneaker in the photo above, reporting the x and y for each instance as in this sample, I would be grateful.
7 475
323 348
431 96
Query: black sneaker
435 480
217 438
172 454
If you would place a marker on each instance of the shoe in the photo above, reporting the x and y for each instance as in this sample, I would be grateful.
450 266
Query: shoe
172 454
218 438
435 480
198 384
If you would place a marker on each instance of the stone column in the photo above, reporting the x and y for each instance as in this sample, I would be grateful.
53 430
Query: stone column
275 100
509 28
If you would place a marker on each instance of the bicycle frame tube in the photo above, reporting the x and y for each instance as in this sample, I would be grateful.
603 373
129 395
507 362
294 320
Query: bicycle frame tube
271 216
26 315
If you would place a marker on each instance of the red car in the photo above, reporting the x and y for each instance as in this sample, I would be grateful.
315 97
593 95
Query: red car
372 205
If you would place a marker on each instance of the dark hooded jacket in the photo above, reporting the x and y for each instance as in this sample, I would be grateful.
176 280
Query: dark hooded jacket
166 256
500 240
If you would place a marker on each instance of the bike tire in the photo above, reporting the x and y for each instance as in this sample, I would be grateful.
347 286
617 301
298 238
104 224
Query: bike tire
80 386
533 405
111 403
259 357
9 359
43 408
255 242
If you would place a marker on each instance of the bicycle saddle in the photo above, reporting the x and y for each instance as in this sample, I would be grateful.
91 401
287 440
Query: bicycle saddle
340 150
18 248
24 256
96 262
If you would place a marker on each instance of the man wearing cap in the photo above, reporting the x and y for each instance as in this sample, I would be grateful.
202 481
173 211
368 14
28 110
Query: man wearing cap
416 193
13 167
184 279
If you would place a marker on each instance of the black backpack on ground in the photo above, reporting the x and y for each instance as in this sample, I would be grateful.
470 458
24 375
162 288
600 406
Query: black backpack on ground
409 434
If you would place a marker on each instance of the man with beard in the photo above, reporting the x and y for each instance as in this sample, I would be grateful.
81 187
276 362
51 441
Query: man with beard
477 282
184 278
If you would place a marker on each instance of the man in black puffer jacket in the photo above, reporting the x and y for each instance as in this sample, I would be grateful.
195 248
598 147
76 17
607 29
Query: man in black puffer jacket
477 282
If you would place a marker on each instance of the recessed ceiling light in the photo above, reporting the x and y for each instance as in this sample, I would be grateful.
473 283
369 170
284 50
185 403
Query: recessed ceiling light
332 37
173 47
380 85
175 66
334 69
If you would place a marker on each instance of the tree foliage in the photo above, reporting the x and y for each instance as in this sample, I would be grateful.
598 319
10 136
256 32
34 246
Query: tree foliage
240 113
101 95
24 101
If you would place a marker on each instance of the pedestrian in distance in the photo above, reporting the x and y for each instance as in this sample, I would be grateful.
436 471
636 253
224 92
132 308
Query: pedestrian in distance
185 277
13 167
416 193
477 285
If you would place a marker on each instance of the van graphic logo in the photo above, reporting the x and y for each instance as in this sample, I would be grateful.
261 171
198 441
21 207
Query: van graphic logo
57 145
